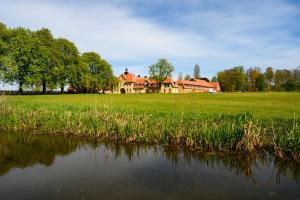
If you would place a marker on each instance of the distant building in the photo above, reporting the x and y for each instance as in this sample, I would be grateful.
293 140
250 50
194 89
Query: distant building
216 86
130 83
194 86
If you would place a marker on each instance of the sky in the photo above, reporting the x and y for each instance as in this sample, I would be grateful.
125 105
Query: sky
134 34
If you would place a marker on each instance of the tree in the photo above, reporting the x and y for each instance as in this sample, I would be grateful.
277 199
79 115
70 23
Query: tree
282 76
232 80
47 59
289 85
68 67
160 71
114 83
214 79
269 74
93 62
22 59
253 74
261 83
197 71
180 77
296 76
187 77
4 39
107 79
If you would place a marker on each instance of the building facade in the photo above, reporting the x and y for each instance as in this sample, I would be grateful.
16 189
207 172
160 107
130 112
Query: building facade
130 83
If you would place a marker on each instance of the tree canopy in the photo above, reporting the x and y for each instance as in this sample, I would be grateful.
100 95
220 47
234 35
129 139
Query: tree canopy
197 71
37 60
161 70
236 79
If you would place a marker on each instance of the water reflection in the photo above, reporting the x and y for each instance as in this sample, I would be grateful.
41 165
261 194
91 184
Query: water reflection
25 150
19 150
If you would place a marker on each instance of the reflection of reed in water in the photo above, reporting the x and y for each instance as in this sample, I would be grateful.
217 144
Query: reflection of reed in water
287 169
240 164
24 150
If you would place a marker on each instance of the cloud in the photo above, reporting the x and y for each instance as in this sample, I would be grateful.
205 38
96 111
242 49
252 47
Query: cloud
216 34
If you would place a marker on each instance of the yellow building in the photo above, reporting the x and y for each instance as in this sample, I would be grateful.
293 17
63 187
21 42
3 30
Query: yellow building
130 83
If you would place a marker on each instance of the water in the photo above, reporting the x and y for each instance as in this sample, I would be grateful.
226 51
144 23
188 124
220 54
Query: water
52 167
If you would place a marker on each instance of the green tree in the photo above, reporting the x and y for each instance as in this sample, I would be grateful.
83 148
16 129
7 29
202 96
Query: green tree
114 83
94 64
269 74
180 77
197 71
107 77
281 77
68 65
79 77
232 80
47 58
289 85
214 79
187 77
4 39
261 83
253 74
21 64
160 71
296 75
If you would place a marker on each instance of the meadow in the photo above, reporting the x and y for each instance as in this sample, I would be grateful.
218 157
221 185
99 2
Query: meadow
238 122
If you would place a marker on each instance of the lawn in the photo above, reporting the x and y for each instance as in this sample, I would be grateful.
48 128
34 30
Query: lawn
220 122
260 105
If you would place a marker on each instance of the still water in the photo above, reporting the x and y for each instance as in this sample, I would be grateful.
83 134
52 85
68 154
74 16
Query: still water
55 167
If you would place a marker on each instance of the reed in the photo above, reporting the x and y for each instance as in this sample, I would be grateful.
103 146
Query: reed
223 132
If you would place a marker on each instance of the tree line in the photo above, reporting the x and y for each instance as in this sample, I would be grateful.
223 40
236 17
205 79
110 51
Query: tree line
37 60
237 79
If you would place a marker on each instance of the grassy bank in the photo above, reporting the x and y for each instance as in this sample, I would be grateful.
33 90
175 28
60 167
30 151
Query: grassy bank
222 122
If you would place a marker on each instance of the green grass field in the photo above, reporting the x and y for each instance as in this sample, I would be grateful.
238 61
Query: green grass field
260 105
228 121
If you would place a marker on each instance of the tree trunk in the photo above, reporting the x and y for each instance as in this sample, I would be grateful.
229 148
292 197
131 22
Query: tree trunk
61 89
159 87
20 88
44 87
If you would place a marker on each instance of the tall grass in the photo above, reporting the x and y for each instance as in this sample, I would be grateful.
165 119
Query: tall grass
217 132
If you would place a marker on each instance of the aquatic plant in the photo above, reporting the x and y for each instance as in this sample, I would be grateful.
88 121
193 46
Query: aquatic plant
218 132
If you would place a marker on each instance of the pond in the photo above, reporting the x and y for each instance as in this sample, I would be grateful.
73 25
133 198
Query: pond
34 166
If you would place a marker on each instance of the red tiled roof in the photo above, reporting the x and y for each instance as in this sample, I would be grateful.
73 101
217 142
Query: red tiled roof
215 84
199 83
168 80
140 80
151 81
129 77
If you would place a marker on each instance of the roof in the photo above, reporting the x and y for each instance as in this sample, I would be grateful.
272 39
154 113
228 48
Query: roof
199 83
128 77
140 80
151 81
215 84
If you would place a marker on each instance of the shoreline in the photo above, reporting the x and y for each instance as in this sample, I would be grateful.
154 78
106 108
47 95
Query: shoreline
240 133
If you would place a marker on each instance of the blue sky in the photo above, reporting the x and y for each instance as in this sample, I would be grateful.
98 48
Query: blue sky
216 34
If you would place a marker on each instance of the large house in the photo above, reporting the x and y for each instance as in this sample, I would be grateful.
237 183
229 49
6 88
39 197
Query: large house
130 83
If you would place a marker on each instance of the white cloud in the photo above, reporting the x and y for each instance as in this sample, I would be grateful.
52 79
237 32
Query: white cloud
233 34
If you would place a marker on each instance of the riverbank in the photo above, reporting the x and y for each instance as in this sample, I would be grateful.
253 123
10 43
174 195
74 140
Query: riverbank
224 122
82 167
